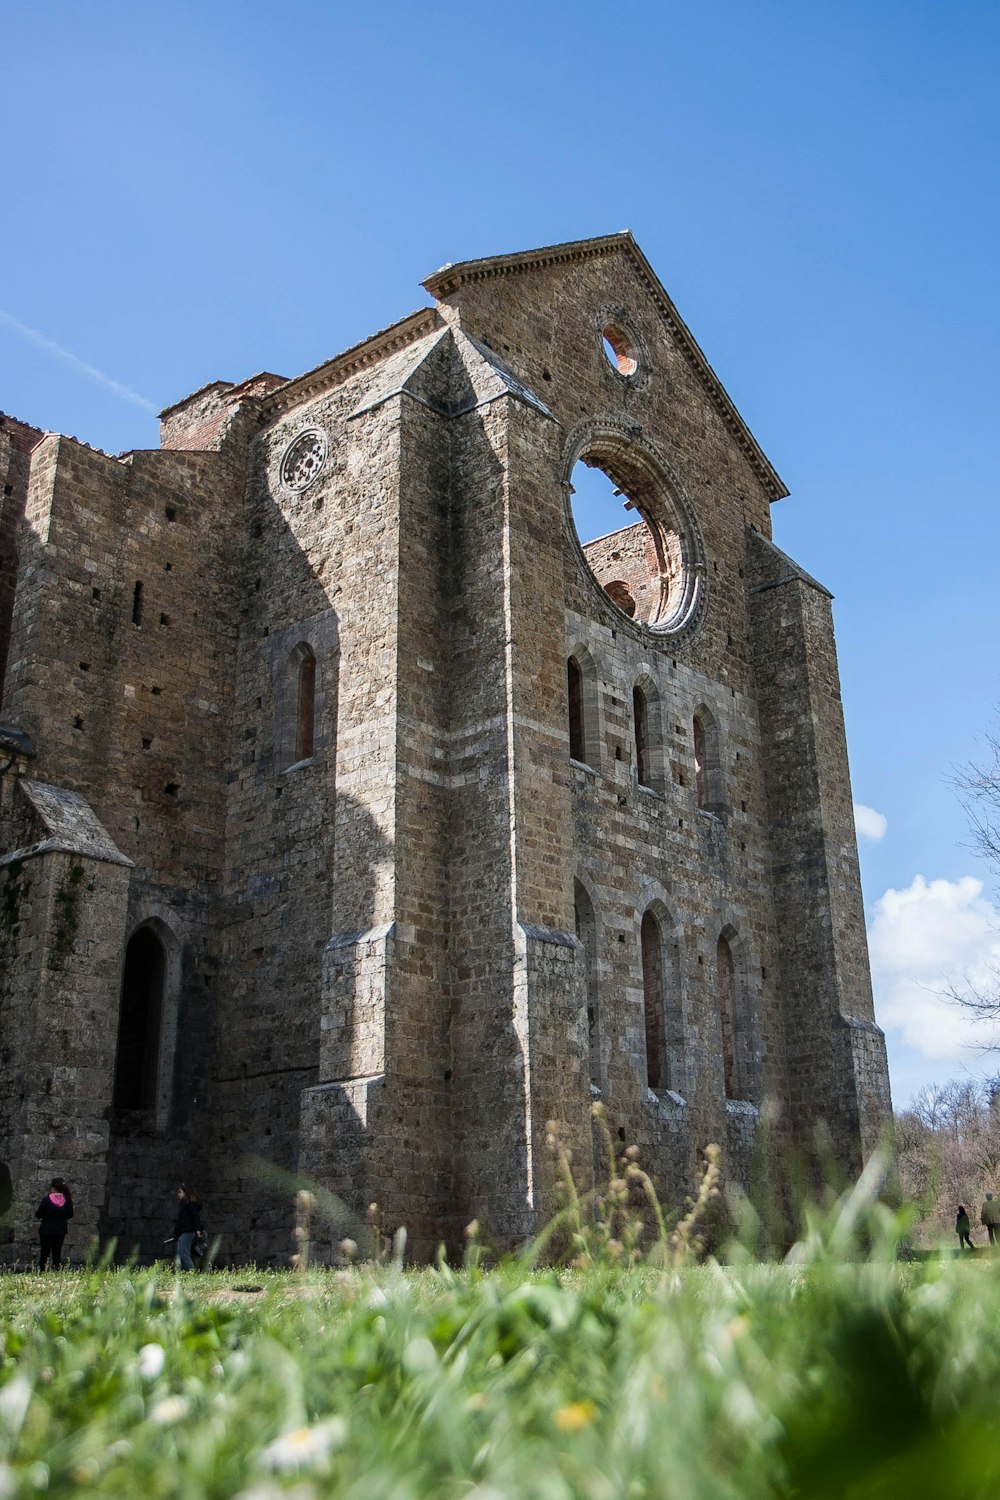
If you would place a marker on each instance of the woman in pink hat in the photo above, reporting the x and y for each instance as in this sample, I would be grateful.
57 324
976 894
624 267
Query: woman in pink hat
54 1212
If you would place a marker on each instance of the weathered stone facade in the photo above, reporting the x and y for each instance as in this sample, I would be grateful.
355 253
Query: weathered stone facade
300 873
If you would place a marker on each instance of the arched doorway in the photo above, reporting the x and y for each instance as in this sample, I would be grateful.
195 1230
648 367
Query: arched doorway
140 1019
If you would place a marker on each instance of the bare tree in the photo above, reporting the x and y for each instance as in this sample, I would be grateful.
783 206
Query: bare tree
978 786
947 1147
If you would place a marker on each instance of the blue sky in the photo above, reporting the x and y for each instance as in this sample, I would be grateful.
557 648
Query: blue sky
200 191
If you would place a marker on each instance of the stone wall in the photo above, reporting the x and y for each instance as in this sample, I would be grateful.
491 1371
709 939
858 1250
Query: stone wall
308 665
17 440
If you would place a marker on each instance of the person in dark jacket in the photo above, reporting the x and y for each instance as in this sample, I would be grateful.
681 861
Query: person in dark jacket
54 1213
186 1225
962 1227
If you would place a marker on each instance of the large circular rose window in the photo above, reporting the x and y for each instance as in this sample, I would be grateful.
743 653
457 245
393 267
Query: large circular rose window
639 538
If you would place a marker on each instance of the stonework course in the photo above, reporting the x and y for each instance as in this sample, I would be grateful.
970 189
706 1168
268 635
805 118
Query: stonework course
357 822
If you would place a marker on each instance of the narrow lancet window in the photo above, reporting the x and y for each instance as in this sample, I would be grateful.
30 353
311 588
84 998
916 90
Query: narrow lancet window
586 931
305 739
577 737
727 1016
700 770
652 997
640 720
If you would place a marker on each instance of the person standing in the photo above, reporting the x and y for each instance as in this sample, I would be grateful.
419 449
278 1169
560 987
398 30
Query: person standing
990 1216
186 1225
963 1225
54 1213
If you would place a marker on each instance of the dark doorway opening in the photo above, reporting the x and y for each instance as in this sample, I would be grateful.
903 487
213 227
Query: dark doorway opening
139 1020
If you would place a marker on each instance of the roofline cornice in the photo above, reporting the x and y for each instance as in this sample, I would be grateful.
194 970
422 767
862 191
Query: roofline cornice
335 371
449 279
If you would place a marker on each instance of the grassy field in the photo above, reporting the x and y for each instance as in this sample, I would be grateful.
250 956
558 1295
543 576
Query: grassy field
829 1375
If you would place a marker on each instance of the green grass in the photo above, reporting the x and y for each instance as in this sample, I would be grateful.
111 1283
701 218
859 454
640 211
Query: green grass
837 1374
827 1377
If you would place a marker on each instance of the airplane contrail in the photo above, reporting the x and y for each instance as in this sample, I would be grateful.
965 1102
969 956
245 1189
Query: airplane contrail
51 347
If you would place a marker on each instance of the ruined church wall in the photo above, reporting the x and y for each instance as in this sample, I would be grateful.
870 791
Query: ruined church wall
485 1058
62 919
837 1065
310 844
635 846
128 700
418 1186
17 440
126 693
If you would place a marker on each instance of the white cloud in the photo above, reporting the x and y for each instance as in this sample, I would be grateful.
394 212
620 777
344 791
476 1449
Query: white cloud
933 935
869 823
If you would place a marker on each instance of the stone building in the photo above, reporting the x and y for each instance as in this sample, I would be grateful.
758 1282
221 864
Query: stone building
357 821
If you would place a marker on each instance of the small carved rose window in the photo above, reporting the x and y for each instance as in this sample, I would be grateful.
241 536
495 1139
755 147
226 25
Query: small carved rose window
303 460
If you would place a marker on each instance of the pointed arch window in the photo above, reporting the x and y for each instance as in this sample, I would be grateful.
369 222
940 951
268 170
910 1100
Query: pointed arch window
640 722
726 974
305 718
140 1017
577 729
708 776
651 941
586 931
299 697
583 707
699 760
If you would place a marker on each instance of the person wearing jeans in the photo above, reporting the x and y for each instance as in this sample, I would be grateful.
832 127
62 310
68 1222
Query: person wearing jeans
186 1225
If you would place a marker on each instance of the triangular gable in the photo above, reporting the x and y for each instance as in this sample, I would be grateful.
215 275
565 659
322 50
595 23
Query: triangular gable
445 282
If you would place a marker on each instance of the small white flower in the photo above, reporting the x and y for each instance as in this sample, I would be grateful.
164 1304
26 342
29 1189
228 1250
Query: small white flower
269 1491
304 1447
171 1409
151 1361
15 1398
419 1356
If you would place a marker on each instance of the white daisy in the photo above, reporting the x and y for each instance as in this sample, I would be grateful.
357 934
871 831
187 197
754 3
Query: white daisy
304 1447
151 1361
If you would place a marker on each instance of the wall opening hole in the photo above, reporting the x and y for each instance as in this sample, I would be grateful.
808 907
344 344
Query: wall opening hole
629 541
619 350
78 722
137 604
146 743
168 567
95 594
139 1014
164 619
170 512
156 691
85 666
172 788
